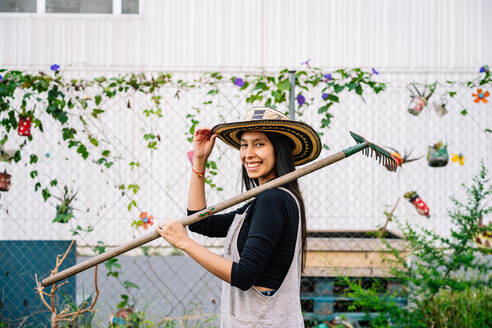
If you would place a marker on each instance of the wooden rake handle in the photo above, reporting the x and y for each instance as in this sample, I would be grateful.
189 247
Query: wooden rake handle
205 213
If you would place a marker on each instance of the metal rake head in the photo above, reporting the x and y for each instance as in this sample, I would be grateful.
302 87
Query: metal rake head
382 154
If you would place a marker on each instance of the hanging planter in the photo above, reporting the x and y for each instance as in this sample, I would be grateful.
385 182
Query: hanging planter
417 105
419 204
437 155
64 211
24 128
440 107
4 181
419 98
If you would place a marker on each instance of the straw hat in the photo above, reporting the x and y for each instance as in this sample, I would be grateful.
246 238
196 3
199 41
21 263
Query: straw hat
307 144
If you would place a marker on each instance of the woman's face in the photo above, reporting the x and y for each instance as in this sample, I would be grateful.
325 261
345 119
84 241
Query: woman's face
258 156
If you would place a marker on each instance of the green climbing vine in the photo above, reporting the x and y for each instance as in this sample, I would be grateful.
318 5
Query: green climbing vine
76 105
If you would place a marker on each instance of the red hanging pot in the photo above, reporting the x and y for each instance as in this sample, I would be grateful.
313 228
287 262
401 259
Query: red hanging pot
4 181
419 204
24 128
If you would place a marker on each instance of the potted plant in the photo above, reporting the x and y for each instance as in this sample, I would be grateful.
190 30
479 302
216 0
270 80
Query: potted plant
419 204
24 127
4 180
64 211
437 155
419 98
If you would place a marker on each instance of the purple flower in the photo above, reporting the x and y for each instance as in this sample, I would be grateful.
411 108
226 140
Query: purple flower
239 82
1 77
301 100
328 77
55 67
324 96
306 63
484 69
374 71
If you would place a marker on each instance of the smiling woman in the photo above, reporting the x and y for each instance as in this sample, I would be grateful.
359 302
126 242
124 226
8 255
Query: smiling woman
265 241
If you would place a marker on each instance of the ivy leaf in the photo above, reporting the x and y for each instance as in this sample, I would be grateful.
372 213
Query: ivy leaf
123 303
338 88
98 99
133 203
283 85
96 112
149 136
100 79
33 159
152 145
82 150
324 108
100 248
62 117
134 187
260 86
332 97
358 90
464 112
351 85
17 156
73 143
129 284
33 174
94 141
487 130
46 194
37 186
68 133
53 182
83 103
106 153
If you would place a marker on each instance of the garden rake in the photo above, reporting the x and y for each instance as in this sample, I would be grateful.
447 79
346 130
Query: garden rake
367 148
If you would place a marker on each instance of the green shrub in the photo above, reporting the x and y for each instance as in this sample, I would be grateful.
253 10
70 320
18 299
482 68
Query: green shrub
471 308
447 280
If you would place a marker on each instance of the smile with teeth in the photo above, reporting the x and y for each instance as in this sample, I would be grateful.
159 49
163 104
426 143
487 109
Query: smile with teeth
252 165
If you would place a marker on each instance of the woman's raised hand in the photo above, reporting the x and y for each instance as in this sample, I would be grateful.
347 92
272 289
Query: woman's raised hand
203 143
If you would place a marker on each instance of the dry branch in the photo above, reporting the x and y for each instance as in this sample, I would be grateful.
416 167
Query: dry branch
71 316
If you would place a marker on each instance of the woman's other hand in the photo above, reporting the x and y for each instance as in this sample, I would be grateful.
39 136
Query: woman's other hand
174 232
203 143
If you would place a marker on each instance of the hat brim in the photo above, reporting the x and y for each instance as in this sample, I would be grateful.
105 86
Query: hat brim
307 144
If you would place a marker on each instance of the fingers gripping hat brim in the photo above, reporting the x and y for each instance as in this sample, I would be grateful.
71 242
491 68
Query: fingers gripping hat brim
307 145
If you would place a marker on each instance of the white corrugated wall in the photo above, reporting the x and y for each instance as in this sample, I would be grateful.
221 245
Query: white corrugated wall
255 34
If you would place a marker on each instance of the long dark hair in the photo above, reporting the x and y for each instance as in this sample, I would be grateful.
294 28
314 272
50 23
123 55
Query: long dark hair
284 163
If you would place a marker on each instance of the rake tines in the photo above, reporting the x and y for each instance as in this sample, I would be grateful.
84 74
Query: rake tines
382 155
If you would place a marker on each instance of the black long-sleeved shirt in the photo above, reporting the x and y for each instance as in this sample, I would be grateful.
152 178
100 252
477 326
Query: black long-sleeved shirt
266 241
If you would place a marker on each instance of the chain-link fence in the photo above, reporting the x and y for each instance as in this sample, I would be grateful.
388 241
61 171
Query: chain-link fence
344 201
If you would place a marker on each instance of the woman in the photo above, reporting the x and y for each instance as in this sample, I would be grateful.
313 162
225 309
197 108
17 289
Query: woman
266 238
